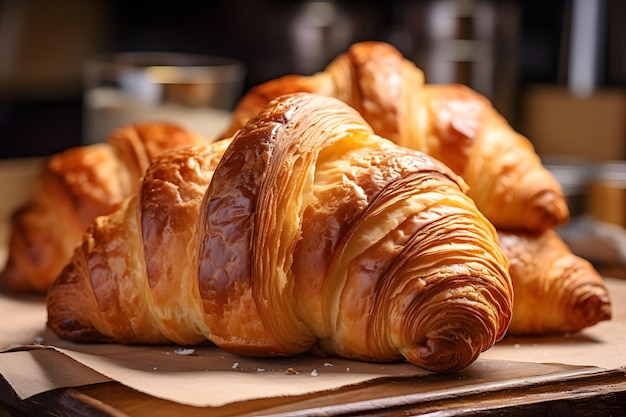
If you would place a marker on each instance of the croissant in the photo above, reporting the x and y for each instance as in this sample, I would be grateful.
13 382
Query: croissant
309 233
556 291
452 123
73 188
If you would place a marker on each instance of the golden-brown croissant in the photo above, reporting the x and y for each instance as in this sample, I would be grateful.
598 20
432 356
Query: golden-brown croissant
452 123
311 233
72 189
555 290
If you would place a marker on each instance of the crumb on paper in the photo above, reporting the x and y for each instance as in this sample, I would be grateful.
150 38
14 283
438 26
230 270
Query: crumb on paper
184 351
235 365
517 346
260 369
328 364
292 371
314 372
348 369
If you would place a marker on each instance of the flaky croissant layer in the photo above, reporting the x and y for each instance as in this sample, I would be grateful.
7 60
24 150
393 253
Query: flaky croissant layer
306 232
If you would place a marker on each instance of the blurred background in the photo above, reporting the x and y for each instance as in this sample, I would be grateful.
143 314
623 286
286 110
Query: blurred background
555 69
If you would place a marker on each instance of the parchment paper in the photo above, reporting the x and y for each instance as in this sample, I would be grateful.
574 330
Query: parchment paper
34 360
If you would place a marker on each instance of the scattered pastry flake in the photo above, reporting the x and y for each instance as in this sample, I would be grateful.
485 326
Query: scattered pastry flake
292 371
235 365
328 364
314 372
260 369
184 351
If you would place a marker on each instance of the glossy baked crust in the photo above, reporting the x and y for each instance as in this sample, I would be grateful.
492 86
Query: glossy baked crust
309 233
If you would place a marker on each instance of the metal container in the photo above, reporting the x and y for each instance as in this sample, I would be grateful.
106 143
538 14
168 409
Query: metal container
574 176
606 193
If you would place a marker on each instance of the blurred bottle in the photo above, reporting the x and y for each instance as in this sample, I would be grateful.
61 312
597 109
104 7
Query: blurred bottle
472 42
319 30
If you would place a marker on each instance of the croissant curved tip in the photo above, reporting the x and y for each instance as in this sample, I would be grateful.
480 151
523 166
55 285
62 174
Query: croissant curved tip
594 309
589 300
557 211
67 322
441 354
69 319
74 331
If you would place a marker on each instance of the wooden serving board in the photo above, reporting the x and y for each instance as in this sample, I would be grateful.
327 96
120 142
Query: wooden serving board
494 385
485 388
